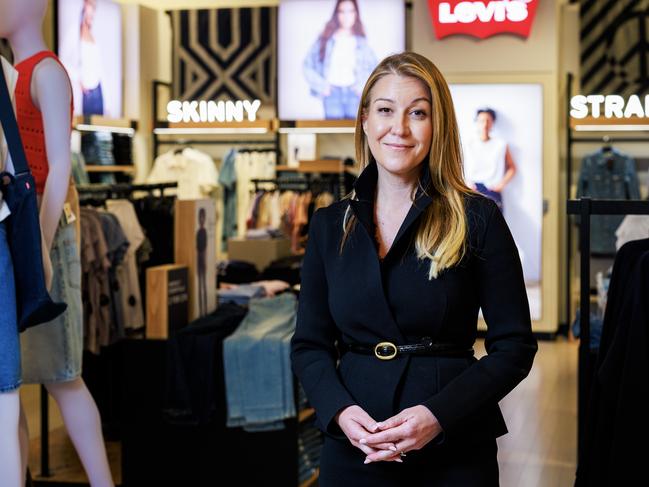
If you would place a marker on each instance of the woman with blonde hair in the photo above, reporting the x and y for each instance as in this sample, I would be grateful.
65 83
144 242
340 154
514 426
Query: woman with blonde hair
392 282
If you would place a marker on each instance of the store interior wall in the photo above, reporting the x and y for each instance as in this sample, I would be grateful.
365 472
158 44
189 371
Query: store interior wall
511 59
460 58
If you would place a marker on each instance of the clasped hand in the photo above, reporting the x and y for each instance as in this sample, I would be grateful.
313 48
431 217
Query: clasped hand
411 429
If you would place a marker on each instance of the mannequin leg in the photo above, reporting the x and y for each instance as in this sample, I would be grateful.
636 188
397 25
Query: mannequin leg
83 424
10 464
24 441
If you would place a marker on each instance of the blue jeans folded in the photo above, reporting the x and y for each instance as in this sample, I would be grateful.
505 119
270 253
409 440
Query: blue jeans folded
256 362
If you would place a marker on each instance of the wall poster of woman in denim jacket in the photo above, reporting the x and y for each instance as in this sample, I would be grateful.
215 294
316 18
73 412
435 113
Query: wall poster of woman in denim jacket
339 62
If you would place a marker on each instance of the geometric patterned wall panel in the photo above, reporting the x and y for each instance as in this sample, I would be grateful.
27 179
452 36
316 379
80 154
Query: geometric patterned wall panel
225 54
614 47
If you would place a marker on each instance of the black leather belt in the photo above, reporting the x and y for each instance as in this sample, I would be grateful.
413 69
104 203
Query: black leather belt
388 350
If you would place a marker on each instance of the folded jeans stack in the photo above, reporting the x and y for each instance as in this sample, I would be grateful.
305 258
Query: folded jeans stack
256 362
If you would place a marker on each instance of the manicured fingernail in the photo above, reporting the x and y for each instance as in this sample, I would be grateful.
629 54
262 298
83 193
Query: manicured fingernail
363 441
399 460
367 460
393 448
376 426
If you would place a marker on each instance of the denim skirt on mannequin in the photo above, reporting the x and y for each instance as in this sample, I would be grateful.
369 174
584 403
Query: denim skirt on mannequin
52 352
9 342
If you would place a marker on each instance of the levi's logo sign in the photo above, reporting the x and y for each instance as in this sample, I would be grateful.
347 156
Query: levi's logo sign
482 18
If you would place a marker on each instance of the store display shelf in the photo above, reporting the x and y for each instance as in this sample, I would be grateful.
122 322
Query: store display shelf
129 169
317 126
305 414
96 123
208 128
311 481
322 166
603 124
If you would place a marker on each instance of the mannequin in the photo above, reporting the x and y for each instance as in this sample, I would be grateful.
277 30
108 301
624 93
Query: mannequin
49 92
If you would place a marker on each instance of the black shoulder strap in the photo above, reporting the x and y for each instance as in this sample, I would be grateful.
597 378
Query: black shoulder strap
10 127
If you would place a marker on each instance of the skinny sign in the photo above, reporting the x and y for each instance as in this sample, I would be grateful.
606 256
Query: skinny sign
212 111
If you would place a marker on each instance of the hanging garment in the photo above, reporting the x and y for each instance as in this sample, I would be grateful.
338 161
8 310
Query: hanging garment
117 248
95 265
607 175
127 274
194 171
633 227
620 393
228 180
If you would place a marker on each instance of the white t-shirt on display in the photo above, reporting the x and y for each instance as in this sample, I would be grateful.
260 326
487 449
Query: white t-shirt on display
194 171
90 65
484 161
343 61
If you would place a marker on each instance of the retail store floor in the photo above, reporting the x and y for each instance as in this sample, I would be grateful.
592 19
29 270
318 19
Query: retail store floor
539 451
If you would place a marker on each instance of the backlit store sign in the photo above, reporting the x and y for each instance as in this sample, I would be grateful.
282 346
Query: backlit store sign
212 111
482 18
611 106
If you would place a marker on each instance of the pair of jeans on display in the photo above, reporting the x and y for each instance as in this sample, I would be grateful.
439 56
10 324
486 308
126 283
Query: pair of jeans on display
53 352
309 445
242 294
97 150
93 101
10 353
256 361
342 103
492 195
195 389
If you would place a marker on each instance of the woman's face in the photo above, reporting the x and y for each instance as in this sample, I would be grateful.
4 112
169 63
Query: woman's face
484 123
398 123
346 13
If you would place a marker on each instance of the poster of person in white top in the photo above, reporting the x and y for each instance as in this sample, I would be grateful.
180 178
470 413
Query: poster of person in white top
91 51
501 129
335 45
488 162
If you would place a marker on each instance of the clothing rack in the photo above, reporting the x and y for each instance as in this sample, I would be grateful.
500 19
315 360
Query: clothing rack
214 139
571 140
108 191
585 207
295 183
113 191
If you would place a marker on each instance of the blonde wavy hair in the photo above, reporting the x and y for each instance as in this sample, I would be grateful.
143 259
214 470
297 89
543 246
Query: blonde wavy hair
442 233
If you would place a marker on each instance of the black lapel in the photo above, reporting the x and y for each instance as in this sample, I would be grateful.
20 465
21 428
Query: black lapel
363 205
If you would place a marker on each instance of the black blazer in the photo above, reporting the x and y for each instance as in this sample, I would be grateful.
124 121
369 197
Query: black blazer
355 298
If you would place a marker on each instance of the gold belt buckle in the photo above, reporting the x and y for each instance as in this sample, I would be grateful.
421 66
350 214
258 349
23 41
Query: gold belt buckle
388 347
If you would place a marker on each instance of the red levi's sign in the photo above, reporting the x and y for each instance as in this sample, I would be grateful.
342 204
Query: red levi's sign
482 18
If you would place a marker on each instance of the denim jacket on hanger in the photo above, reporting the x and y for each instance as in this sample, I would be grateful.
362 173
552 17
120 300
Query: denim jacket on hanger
607 175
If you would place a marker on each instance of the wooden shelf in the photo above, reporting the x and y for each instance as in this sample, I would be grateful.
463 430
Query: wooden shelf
325 124
287 168
322 165
97 120
312 480
129 169
234 127
305 414
623 123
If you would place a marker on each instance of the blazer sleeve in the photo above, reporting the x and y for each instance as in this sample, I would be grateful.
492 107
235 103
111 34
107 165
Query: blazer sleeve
313 351
510 344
